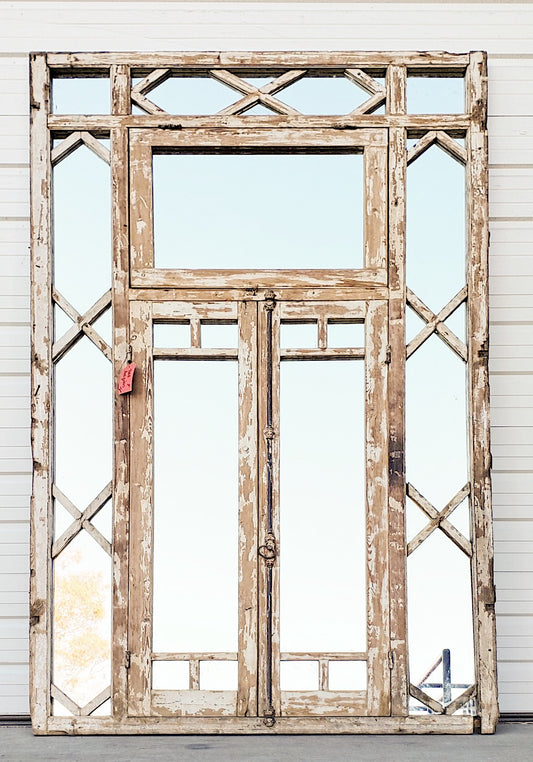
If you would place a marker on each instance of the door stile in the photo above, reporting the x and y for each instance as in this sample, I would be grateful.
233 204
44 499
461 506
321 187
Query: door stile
141 513
268 386
248 511
378 637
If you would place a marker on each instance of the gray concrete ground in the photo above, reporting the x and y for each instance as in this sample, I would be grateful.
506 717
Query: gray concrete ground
512 743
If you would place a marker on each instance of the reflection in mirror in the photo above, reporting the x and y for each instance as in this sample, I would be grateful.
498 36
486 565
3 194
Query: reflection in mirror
82 228
104 710
346 335
191 95
347 675
81 95
324 95
219 336
218 675
440 612
82 620
298 335
170 675
436 422
435 227
172 335
322 506
83 423
195 506
298 675
435 95
239 211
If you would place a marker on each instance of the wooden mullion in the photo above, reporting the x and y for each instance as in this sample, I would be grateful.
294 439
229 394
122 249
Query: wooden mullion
248 511
377 528
418 125
375 210
121 105
41 519
141 204
141 512
483 594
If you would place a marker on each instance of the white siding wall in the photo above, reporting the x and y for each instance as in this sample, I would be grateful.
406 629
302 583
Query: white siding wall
505 30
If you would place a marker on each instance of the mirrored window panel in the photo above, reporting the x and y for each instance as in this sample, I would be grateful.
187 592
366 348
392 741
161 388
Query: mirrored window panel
322 506
435 95
256 211
195 506
81 95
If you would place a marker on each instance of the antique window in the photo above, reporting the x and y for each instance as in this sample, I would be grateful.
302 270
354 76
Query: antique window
283 524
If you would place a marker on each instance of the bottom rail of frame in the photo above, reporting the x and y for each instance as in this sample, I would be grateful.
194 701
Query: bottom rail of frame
255 725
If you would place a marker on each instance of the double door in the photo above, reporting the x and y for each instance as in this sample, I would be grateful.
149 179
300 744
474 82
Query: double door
258 511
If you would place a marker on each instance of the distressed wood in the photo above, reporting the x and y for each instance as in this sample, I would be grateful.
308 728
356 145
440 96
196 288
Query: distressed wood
120 104
195 656
82 520
435 324
261 279
257 95
442 139
194 703
195 353
248 511
314 294
396 104
439 520
255 726
375 213
175 309
376 429
323 703
82 325
455 125
478 383
141 512
41 397
74 141
332 353
446 64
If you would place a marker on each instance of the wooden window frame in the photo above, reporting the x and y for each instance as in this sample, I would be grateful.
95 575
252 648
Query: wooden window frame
387 281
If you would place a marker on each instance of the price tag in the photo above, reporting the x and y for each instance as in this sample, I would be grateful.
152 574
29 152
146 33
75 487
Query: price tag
125 382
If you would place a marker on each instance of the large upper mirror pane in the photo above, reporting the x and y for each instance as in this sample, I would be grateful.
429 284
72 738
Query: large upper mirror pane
258 211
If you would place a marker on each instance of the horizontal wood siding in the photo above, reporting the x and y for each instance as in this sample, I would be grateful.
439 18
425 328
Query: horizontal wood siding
504 30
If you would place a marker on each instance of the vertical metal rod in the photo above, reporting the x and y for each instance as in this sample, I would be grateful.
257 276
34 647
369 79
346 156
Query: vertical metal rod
269 549
446 676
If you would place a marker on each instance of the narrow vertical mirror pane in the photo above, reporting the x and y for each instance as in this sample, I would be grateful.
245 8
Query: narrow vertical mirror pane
195 506
435 227
322 507
83 423
82 620
82 228
440 614
436 422
275 211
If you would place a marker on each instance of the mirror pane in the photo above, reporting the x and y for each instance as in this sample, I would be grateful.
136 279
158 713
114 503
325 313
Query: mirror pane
276 211
322 506
435 95
195 506
298 675
347 676
81 95
170 675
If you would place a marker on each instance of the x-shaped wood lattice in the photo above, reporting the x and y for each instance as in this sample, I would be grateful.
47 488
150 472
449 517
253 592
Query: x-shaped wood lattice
82 325
439 520
82 520
263 95
435 323
443 140
436 706
80 711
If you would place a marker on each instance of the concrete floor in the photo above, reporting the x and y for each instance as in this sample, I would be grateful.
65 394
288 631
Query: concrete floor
513 742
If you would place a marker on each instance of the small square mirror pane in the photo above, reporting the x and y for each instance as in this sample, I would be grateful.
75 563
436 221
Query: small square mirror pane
172 335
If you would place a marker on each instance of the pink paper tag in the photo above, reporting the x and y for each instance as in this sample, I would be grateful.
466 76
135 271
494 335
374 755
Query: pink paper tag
125 382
